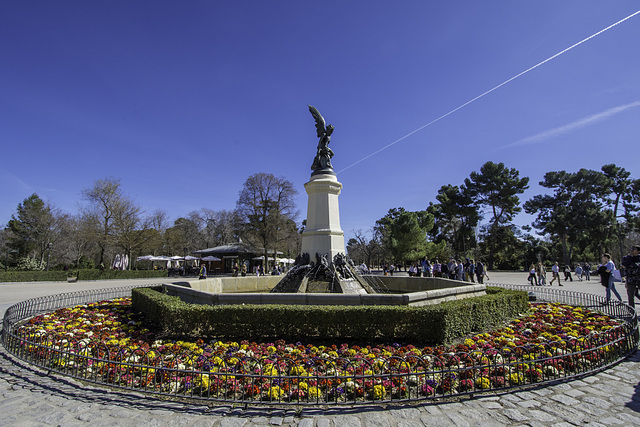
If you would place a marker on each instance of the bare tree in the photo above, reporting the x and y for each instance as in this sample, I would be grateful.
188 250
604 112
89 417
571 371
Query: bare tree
111 216
266 209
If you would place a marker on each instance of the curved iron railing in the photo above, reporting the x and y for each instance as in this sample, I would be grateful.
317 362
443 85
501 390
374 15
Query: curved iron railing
321 380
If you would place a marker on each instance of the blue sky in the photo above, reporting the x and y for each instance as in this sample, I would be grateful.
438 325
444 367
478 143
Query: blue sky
184 100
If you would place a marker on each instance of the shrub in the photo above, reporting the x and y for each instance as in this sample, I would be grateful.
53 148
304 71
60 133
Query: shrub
60 276
437 324
29 264
32 276
93 274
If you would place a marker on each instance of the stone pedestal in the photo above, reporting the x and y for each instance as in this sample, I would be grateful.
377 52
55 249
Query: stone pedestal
322 234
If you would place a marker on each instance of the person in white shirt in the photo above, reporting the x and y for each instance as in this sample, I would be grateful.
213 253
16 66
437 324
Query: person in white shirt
555 270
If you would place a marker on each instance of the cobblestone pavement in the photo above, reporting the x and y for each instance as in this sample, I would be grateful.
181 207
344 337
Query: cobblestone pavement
30 397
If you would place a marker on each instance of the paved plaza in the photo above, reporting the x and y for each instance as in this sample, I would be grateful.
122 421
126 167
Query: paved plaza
30 397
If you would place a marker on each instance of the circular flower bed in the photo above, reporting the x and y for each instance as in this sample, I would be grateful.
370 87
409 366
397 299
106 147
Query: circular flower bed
108 342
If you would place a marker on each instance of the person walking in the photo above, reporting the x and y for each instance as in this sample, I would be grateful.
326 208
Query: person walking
555 271
606 278
579 272
567 273
203 272
631 267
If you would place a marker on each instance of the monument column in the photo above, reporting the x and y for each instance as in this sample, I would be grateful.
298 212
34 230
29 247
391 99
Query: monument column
322 234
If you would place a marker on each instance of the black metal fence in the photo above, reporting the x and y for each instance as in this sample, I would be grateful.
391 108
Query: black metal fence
274 380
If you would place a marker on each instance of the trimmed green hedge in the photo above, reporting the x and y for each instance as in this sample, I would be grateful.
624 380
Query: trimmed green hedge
93 274
33 276
437 324
88 274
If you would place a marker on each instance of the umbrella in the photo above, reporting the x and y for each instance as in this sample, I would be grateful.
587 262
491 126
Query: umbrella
210 258
144 258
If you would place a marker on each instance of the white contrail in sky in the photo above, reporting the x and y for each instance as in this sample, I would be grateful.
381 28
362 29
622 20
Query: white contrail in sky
491 90
572 126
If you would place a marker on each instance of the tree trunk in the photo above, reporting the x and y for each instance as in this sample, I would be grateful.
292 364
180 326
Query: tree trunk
564 249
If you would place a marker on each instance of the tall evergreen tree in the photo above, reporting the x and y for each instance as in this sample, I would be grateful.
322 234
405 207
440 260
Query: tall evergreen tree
33 228
455 218
496 188
574 213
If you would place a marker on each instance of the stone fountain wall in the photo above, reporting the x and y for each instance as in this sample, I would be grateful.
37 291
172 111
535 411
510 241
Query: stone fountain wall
255 290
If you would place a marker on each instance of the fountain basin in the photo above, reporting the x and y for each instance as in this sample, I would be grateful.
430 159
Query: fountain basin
254 290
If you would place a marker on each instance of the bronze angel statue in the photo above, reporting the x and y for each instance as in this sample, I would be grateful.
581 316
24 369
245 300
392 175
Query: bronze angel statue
322 161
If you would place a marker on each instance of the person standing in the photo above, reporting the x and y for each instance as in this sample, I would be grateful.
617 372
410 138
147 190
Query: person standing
480 273
472 271
606 278
532 275
542 274
586 270
555 271
437 269
426 267
460 270
631 267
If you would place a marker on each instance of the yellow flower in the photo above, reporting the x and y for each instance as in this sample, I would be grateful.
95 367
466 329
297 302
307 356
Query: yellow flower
275 393
314 392
298 370
204 381
516 378
270 370
483 383
378 391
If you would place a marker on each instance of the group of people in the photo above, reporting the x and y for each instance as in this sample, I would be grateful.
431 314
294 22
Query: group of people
456 269
538 273
630 271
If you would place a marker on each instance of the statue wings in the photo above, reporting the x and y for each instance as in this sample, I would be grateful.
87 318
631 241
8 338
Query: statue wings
320 123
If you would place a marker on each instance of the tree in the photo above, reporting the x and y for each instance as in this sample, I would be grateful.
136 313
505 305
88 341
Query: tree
455 218
110 216
574 214
218 227
496 187
404 234
185 233
34 228
266 210
361 248
621 194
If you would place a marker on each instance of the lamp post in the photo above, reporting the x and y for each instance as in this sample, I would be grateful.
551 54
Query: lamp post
49 254
184 264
